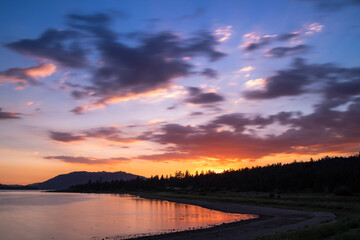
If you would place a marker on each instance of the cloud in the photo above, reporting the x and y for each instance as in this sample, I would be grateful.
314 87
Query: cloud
325 130
279 52
122 71
196 96
196 113
164 157
26 76
102 132
66 137
239 136
9 115
245 69
78 110
88 160
256 83
210 73
43 70
57 45
253 41
343 90
173 91
109 133
153 64
223 34
296 81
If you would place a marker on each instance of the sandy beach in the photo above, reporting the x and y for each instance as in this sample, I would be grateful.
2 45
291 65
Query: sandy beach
270 221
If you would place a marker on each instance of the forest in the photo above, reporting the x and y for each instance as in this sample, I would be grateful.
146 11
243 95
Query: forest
339 175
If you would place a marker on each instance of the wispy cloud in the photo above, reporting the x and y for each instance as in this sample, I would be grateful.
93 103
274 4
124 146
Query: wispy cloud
113 134
254 41
88 160
66 137
245 69
223 34
279 52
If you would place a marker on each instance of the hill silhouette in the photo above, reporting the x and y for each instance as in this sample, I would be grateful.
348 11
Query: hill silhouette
65 181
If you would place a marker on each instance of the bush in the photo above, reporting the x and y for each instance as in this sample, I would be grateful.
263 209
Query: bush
343 191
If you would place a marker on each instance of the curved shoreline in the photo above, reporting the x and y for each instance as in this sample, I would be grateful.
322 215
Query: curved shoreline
270 221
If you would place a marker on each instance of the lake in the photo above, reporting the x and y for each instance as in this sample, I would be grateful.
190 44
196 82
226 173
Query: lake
44 215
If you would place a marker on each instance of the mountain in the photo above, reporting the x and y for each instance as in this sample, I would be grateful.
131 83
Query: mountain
64 181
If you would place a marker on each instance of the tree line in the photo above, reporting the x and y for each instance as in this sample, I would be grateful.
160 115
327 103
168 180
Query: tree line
328 174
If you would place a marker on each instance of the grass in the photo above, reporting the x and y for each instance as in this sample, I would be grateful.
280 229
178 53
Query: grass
338 230
347 210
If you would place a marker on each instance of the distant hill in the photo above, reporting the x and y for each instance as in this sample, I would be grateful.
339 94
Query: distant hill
64 181
16 187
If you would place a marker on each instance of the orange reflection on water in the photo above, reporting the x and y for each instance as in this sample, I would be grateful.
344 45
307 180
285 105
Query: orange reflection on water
36 215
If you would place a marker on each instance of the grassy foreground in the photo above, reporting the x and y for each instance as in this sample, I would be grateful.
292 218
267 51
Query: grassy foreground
347 210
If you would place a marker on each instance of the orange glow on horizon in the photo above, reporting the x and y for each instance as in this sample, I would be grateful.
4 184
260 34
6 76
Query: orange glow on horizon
16 173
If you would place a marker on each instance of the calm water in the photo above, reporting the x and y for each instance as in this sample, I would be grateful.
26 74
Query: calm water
40 215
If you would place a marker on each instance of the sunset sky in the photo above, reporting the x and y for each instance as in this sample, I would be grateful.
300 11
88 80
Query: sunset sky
151 87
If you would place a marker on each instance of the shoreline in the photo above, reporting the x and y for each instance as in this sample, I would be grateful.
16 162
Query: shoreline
270 221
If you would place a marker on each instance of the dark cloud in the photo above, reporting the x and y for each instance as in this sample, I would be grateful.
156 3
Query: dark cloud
279 52
343 90
66 137
153 64
236 135
88 160
296 81
122 70
9 115
334 5
288 36
196 96
210 73
57 45
284 83
108 133
259 42
264 41
322 131
239 121
267 40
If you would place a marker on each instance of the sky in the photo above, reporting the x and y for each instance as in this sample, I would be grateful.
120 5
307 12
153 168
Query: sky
154 87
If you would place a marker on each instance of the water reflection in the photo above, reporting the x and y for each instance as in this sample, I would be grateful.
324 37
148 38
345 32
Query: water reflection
37 215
